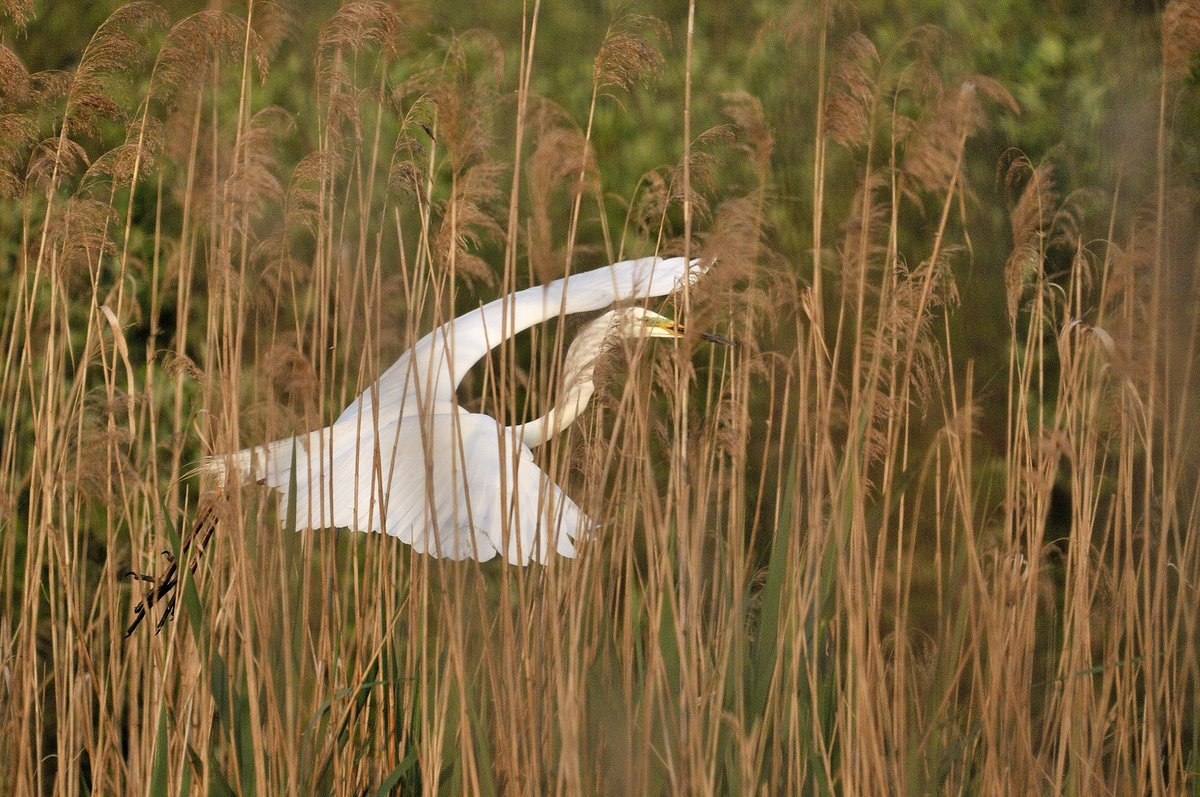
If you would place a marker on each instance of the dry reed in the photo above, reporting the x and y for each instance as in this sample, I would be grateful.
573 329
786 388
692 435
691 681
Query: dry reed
815 574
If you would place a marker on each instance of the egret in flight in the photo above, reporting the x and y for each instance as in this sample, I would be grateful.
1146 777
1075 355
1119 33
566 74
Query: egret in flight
405 459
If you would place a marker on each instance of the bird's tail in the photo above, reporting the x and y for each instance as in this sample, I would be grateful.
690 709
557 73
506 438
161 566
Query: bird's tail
259 463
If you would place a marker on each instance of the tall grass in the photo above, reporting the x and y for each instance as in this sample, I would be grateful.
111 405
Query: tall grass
834 559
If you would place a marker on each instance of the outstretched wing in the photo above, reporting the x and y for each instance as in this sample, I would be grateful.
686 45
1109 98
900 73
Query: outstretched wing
452 485
426 377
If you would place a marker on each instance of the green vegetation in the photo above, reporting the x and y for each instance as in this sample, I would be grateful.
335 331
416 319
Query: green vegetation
933 526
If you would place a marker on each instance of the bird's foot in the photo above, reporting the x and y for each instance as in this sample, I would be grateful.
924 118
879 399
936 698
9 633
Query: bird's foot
163 587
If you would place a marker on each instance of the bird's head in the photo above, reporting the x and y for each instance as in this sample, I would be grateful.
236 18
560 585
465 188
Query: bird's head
607 332
638 322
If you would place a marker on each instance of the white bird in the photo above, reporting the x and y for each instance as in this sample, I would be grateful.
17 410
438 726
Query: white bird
405 459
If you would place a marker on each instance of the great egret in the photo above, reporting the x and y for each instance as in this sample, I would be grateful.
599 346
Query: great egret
405 459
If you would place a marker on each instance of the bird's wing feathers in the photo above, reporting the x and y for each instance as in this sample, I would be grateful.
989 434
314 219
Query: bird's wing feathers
427 375
450 481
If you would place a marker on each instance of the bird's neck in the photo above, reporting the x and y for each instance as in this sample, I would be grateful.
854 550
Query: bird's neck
572 404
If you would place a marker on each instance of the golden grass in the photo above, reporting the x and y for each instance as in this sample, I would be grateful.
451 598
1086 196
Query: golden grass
813 577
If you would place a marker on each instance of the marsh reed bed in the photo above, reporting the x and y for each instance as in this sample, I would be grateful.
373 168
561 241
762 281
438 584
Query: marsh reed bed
835 559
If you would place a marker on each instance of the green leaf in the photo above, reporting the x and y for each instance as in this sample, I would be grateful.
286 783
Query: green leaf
483 752
340 694
393 778
766 643
158 772
218 681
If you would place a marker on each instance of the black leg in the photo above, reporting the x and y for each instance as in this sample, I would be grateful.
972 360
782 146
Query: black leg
164 585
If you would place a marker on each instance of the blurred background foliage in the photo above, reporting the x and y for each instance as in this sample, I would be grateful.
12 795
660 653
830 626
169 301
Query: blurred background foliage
1079 70
1084 73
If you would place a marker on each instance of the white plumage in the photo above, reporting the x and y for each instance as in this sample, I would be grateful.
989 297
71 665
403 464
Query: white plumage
404 459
